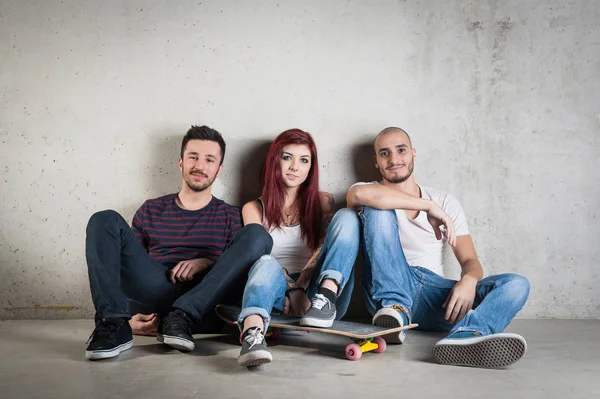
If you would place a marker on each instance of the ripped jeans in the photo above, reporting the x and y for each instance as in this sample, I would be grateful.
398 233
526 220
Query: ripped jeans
390 280
265 290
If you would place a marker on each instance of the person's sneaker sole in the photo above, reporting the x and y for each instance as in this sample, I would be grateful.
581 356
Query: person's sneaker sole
382 319
182 344
255 358
487 351
314 322
108 353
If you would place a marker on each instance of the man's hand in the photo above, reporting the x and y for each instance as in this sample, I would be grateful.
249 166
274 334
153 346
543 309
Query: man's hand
298 303
460 300
438 218
186 270
144 324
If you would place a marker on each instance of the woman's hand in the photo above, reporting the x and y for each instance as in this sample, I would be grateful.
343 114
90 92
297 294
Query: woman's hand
298 303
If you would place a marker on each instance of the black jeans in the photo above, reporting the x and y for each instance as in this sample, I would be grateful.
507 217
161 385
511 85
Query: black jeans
122 273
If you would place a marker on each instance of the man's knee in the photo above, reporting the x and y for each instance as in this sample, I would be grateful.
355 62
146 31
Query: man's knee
258 234
380 220
517 285
102 218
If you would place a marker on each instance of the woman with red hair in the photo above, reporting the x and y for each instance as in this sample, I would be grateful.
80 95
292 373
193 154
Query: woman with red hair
297 216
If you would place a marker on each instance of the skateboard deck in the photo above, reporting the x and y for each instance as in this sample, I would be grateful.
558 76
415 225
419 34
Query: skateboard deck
367 337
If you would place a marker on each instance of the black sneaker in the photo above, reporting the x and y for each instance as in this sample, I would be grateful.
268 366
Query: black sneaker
254 349
110 337
320 314
176 330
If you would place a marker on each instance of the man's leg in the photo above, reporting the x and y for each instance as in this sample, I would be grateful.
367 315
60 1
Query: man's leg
478 339
118 268
332 283
389 281
228 272
264 291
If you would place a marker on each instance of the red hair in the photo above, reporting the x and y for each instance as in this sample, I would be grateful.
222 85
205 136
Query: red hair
274 191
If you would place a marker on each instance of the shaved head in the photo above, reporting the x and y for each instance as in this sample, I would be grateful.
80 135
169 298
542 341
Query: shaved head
394 155
390 130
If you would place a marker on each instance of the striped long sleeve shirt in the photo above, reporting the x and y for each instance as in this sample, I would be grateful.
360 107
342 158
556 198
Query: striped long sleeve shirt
171 234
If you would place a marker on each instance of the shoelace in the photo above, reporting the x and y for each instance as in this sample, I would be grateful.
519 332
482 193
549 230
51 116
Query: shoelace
254 337
401 310
178 323
103 330
320 301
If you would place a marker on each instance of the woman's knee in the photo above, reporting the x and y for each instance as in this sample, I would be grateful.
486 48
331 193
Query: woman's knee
265 268
345 225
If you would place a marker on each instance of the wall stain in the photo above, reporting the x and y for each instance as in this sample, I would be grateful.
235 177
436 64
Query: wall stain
41 307
472 26
503 27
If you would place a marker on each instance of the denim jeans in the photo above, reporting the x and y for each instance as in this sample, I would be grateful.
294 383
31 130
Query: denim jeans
265 290
390 280
122 273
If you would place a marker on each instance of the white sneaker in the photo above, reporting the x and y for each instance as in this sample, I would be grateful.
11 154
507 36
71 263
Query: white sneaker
391 317
486 351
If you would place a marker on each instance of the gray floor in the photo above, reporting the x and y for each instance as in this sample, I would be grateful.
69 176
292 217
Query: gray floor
45 359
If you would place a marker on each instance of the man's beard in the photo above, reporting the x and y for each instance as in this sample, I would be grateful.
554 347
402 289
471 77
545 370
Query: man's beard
199 187
401 179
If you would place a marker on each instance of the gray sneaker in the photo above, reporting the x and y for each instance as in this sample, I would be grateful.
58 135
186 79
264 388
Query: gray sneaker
392 317
320 314
254 349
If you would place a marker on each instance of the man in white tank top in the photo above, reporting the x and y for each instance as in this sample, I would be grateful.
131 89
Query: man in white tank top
405 227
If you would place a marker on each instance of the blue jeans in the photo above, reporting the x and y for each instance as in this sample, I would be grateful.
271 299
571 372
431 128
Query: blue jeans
390 280
265 290
124 279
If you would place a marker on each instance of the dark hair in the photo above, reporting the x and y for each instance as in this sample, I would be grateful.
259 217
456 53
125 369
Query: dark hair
203 133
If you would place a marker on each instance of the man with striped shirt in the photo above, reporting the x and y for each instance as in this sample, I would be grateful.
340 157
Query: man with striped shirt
184 253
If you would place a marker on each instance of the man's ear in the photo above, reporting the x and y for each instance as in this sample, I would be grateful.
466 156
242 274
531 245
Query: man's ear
219 171
375 161
180 164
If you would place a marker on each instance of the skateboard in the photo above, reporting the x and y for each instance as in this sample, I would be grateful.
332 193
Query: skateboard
366 337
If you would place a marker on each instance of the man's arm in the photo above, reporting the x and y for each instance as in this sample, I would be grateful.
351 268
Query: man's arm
137 226
461 298
381 197
467 257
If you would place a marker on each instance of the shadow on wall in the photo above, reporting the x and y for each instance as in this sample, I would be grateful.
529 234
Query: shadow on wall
251 160
363 162
364 171
164 175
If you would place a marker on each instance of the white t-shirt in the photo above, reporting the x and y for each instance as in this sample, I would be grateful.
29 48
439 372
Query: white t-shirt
419 244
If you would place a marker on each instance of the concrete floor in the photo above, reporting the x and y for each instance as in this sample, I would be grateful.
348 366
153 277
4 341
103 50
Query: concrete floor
45 359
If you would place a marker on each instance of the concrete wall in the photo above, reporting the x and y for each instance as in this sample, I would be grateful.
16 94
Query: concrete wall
501 99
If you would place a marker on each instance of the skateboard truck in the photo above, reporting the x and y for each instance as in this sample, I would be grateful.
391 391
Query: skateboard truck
354 351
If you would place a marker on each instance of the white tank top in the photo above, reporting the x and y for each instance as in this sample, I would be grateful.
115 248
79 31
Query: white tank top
289 248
